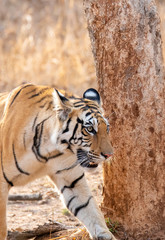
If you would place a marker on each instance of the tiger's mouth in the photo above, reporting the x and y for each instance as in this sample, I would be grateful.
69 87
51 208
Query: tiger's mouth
84 159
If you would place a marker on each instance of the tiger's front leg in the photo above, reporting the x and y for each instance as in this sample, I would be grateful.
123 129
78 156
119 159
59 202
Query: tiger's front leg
79 200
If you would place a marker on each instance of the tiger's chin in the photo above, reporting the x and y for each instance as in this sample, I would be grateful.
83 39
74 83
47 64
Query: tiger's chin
85 161
92 165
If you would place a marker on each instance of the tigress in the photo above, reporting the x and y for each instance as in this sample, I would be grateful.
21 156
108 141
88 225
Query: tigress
44 131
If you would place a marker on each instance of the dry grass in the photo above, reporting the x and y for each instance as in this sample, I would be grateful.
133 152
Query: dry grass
77 234
45 42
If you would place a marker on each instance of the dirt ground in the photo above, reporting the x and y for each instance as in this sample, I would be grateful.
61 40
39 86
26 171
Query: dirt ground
28 215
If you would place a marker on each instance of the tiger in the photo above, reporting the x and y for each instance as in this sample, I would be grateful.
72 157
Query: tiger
46 131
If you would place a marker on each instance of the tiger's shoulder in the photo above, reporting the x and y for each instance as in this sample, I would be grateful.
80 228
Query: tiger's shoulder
31 92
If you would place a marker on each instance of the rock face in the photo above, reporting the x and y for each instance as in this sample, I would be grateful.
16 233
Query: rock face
126 44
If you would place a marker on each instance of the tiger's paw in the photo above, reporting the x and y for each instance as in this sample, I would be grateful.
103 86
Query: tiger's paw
105 236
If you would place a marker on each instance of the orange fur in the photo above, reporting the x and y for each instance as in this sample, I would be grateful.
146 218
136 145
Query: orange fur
41 131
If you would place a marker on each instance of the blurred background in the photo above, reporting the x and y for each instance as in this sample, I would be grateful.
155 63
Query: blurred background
46 42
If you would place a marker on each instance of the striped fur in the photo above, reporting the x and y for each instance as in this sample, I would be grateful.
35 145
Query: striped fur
47 132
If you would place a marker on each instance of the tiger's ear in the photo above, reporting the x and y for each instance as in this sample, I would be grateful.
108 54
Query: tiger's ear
92 94
62 105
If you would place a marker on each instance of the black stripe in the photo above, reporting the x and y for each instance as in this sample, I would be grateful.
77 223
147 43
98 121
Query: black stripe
42 106
16 162
91 153
34 121
49 105
84 162
31 91
80 121
54 156
40 92
43 98
4 175
89 122
90 118
86 145
67 126
70 148
46 103
87 114
70 201
93 107
64 141
24 140
61 96
81 101
65 169
19 93
74 131
80 140
72 185
92 104
82 206
80 105
85 108
69 144
37 142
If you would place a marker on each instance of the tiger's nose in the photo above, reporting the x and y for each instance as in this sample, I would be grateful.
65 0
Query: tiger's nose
107 155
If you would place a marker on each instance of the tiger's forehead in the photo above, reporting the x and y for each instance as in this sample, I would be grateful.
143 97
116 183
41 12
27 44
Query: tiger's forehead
92 113
93 117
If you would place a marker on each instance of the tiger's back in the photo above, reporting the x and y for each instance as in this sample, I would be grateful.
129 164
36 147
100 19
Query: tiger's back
3 98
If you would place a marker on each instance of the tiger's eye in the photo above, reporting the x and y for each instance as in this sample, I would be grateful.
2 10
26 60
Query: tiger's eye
90 129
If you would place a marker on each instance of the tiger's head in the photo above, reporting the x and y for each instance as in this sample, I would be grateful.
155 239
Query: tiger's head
83 128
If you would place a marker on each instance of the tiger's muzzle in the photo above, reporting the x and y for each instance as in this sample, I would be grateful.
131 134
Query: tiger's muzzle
85 160
91 159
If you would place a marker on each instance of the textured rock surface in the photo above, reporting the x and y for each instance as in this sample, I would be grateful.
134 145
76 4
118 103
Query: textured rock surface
126 44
